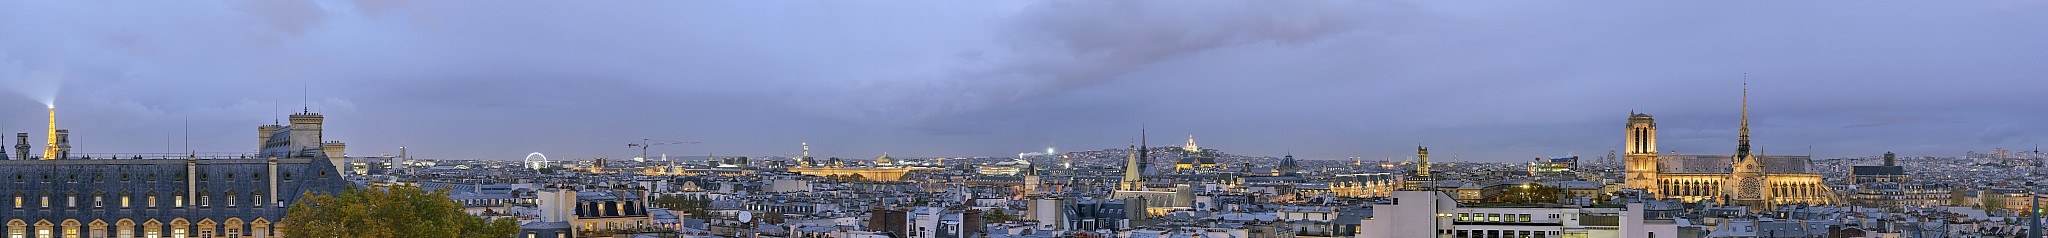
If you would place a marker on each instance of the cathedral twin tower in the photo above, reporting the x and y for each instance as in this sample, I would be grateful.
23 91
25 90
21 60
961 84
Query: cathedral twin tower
1740 179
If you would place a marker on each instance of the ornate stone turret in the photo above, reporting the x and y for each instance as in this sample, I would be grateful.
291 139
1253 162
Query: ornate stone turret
1421 161
302 138
63 145
21 146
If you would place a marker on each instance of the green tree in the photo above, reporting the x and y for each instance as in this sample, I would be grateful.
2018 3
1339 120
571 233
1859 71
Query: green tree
1959 197
1991 201
400 211
694 208
997 216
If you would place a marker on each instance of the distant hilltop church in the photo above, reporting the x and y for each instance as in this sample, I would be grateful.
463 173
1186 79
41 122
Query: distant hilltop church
1193 157
1743 179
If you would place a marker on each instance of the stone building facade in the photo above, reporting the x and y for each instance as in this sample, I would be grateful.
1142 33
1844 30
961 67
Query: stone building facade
178 196
1744 179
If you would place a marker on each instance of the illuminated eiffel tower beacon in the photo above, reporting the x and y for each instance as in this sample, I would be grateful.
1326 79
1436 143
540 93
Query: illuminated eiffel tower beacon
50 150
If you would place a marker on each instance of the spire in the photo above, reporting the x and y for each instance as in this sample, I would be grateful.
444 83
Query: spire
1144 155
1742 146
1133 179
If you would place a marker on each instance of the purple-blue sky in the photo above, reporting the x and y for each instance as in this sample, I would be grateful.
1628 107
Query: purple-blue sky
1498 81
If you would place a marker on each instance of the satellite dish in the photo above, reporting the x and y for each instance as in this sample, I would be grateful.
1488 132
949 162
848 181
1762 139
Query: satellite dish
746 216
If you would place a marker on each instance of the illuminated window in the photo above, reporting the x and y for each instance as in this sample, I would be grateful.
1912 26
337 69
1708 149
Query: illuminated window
178 201
124 201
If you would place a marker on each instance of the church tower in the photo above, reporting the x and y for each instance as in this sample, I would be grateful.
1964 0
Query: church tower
1641 158
1747 173
1134 167
1422 162
1133 179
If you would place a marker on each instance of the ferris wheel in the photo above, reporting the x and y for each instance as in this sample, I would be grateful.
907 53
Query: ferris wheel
534 164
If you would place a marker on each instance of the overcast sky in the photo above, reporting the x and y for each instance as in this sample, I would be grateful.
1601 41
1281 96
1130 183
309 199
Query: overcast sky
1487 81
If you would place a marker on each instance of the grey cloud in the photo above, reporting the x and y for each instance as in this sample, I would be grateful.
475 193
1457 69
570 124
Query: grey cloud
1322 79
1060 45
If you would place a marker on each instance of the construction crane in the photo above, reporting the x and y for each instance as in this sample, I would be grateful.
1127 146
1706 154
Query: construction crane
644 143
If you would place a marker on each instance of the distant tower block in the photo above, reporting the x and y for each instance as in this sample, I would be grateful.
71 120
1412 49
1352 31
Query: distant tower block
1641 156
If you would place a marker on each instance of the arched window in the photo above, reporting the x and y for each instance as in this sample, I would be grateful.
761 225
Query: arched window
206 228
17 228
232 228
124 228
152 229
178 228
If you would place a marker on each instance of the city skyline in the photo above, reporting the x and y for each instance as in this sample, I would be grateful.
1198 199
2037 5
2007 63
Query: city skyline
1318 79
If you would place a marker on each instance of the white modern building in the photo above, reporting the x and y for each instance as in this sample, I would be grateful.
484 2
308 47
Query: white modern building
1437 214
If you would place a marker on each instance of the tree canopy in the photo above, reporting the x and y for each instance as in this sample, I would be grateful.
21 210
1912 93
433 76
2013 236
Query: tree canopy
400 211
